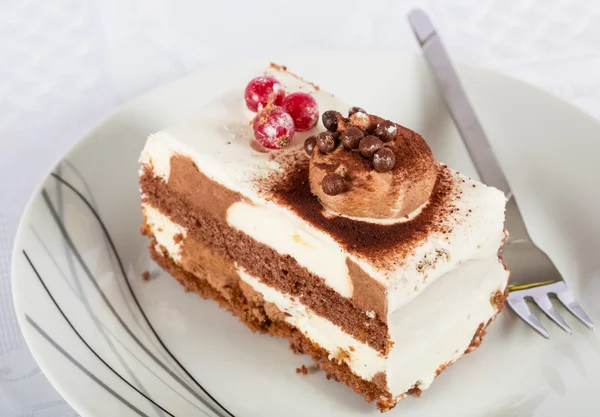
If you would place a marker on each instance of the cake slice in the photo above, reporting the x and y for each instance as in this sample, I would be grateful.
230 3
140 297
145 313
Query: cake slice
350 241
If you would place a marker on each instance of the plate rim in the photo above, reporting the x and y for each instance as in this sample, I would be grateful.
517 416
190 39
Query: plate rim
462 69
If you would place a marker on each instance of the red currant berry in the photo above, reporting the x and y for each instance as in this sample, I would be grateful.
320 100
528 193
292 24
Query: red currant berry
261 91
273 127
304 110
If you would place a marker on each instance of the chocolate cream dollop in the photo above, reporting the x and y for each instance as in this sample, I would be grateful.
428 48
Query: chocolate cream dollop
375 169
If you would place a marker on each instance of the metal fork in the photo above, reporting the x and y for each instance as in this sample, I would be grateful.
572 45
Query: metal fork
533 274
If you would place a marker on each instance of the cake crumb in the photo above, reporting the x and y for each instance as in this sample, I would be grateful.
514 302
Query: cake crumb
415 391
146 275
302 370
351 348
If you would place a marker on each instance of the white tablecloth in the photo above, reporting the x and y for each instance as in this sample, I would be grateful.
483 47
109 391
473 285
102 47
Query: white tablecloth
67 64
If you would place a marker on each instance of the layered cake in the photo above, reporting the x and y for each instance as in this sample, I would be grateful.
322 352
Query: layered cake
331 227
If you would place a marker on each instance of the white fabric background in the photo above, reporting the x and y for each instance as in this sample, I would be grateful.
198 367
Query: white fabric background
65 65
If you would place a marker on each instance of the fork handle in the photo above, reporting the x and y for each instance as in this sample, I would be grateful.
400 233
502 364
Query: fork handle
471 131
458 104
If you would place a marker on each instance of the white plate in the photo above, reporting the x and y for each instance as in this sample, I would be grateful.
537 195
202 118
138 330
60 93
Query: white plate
91 321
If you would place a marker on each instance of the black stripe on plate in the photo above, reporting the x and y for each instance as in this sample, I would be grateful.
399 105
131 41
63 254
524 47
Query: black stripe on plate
94 282
81 367
119 261
86 344
94 317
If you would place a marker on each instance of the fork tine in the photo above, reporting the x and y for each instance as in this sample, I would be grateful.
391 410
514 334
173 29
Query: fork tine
544 303
573 306
519 306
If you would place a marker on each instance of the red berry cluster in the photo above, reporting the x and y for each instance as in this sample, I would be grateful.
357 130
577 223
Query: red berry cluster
279 116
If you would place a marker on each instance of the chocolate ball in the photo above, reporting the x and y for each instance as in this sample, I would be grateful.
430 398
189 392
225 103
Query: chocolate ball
355 110
326 142
333 184
309 145
351 137
330 120
369 145
386 130
384 160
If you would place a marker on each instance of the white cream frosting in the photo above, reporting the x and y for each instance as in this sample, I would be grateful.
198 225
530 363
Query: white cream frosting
432 330
217 138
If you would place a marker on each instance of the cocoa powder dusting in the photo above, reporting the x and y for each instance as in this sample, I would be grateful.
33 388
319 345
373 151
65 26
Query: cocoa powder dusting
368 239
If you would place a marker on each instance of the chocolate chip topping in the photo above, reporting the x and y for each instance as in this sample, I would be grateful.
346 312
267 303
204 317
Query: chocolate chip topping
356 110
330 120
326 142
333 184
369 145
351 137
405 168
309 145
384 160
386 130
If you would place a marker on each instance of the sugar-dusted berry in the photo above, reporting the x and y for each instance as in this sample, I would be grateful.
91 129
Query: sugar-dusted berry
303 108
273 127
263 90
